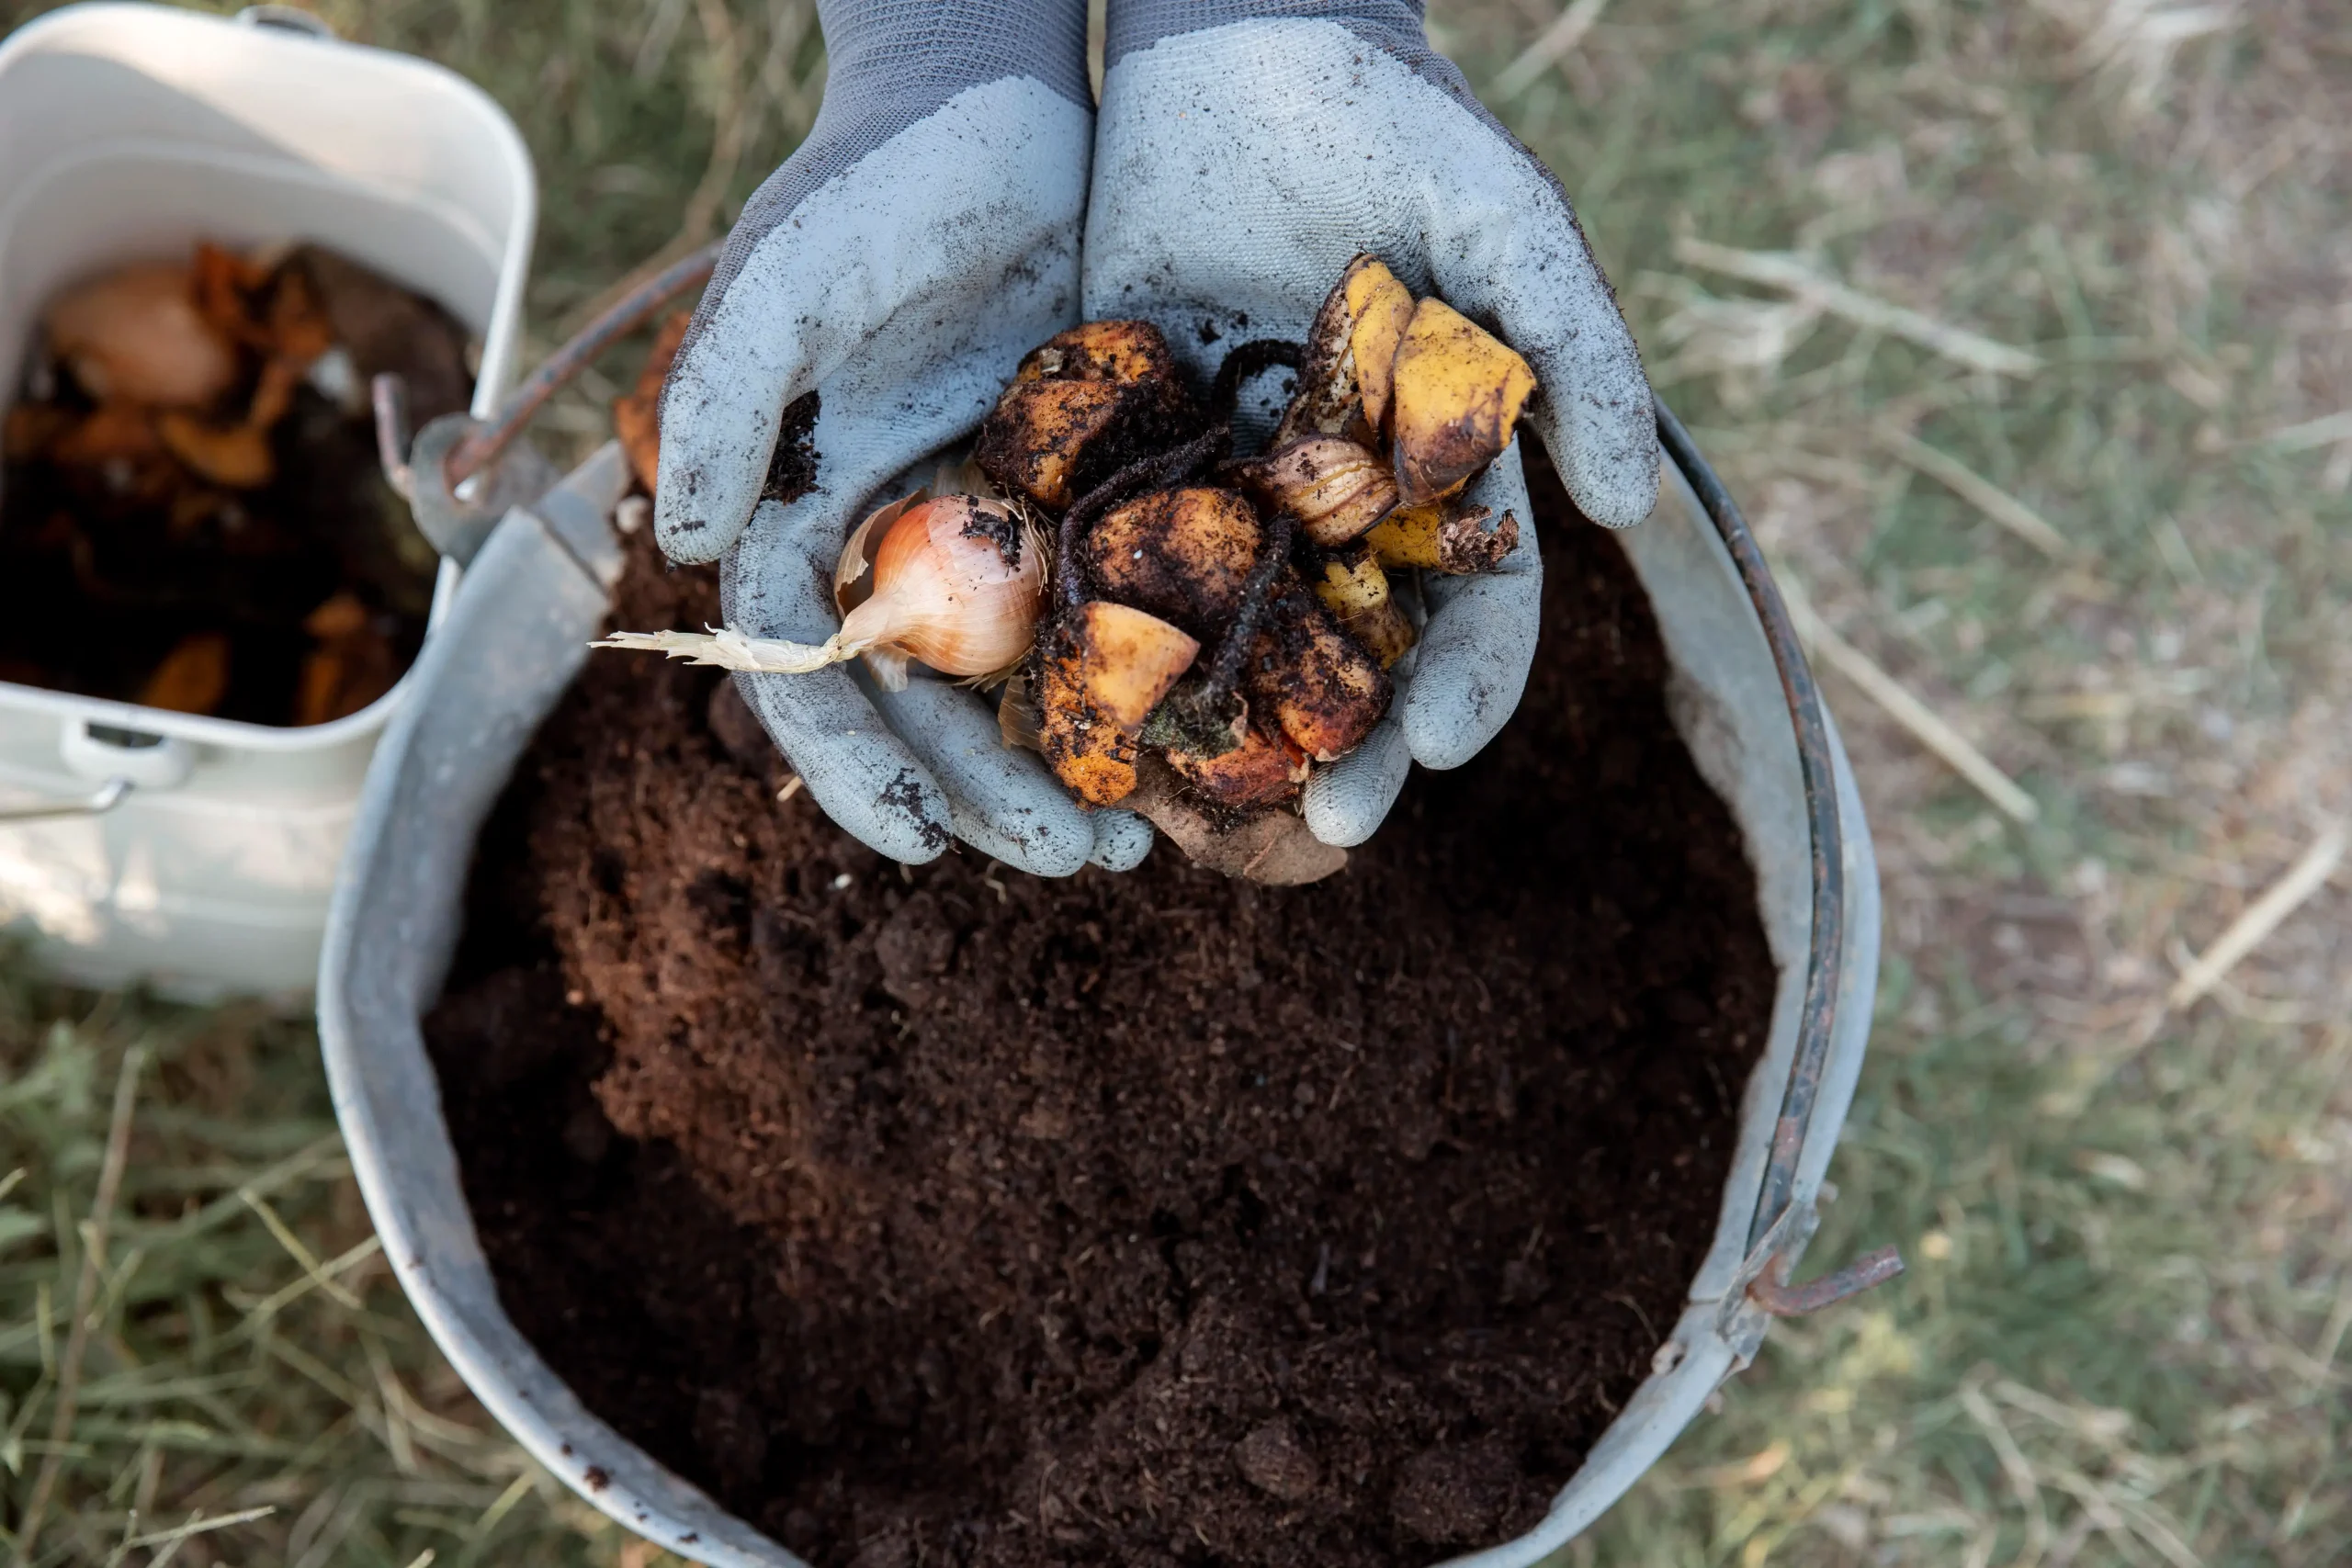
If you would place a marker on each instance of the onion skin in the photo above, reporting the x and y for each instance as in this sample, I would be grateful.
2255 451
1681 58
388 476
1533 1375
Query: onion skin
136 335
958 583
1336 489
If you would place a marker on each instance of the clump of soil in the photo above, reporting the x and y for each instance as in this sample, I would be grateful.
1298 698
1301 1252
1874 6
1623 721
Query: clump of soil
945 1214
236 553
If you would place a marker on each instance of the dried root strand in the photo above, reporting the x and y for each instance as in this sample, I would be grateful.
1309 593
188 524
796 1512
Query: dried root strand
1225 669
1247 363
728 648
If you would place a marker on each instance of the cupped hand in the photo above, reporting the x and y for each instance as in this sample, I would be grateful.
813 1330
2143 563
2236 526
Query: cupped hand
1245 150
924 237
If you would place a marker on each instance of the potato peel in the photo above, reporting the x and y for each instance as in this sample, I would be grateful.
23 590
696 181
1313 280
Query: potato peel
1100 671
1444 537
1081 405
1322 689
1273 847
1458 393
1344 386
1183 555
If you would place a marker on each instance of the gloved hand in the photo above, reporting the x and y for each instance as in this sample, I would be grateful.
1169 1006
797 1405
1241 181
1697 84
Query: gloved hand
898 264
1245 150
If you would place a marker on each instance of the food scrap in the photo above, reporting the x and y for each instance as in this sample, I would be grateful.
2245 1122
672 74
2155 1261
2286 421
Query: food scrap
193 516
1177 629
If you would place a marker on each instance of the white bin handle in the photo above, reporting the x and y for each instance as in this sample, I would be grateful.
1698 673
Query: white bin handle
292 18
97 803
105 752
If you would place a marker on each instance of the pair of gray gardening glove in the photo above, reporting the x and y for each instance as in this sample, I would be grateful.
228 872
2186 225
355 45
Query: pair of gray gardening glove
929 233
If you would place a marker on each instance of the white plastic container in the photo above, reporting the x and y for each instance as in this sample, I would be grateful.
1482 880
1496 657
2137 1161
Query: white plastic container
129 132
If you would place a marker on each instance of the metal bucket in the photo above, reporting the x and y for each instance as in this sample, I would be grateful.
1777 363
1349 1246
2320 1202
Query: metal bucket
1740 695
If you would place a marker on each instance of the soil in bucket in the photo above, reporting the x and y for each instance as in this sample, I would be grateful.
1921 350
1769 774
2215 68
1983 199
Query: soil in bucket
193 517
945 1214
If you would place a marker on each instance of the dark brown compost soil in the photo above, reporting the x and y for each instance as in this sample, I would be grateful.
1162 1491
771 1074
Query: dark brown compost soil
948 1215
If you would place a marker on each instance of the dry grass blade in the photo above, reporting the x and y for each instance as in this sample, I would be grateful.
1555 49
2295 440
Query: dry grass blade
86 1291
503 1505
316 1272
1986 496
1925 723
320 1277
2023 1485
198 1524
1796 277
1549 49
2265 915
2324 430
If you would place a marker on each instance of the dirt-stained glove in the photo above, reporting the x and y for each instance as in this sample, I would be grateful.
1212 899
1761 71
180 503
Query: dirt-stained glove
921 239
1245 150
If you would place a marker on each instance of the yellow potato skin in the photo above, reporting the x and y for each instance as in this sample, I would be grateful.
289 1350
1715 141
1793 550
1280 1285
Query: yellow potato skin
1457 393
1407 538
1355 590
1104 667
1379 308
1131 660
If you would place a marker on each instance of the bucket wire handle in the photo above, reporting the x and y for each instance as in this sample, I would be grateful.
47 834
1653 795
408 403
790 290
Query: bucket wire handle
1825 962
488 440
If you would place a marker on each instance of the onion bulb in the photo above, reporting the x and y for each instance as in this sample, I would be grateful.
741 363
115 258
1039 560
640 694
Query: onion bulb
956 582
136 335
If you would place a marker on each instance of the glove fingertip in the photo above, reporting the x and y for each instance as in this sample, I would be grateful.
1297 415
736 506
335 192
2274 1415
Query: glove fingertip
1615 484
1450 715
1345 802
719 425
860 774
1122 840
1042 842
1001 802
692 541
909 820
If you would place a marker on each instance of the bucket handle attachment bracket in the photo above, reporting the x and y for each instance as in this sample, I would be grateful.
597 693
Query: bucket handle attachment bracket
459 474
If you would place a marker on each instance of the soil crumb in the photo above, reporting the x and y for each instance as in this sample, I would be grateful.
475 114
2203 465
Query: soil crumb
949 1215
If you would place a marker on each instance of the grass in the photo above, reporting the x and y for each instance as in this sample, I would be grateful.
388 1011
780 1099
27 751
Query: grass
2122 1337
